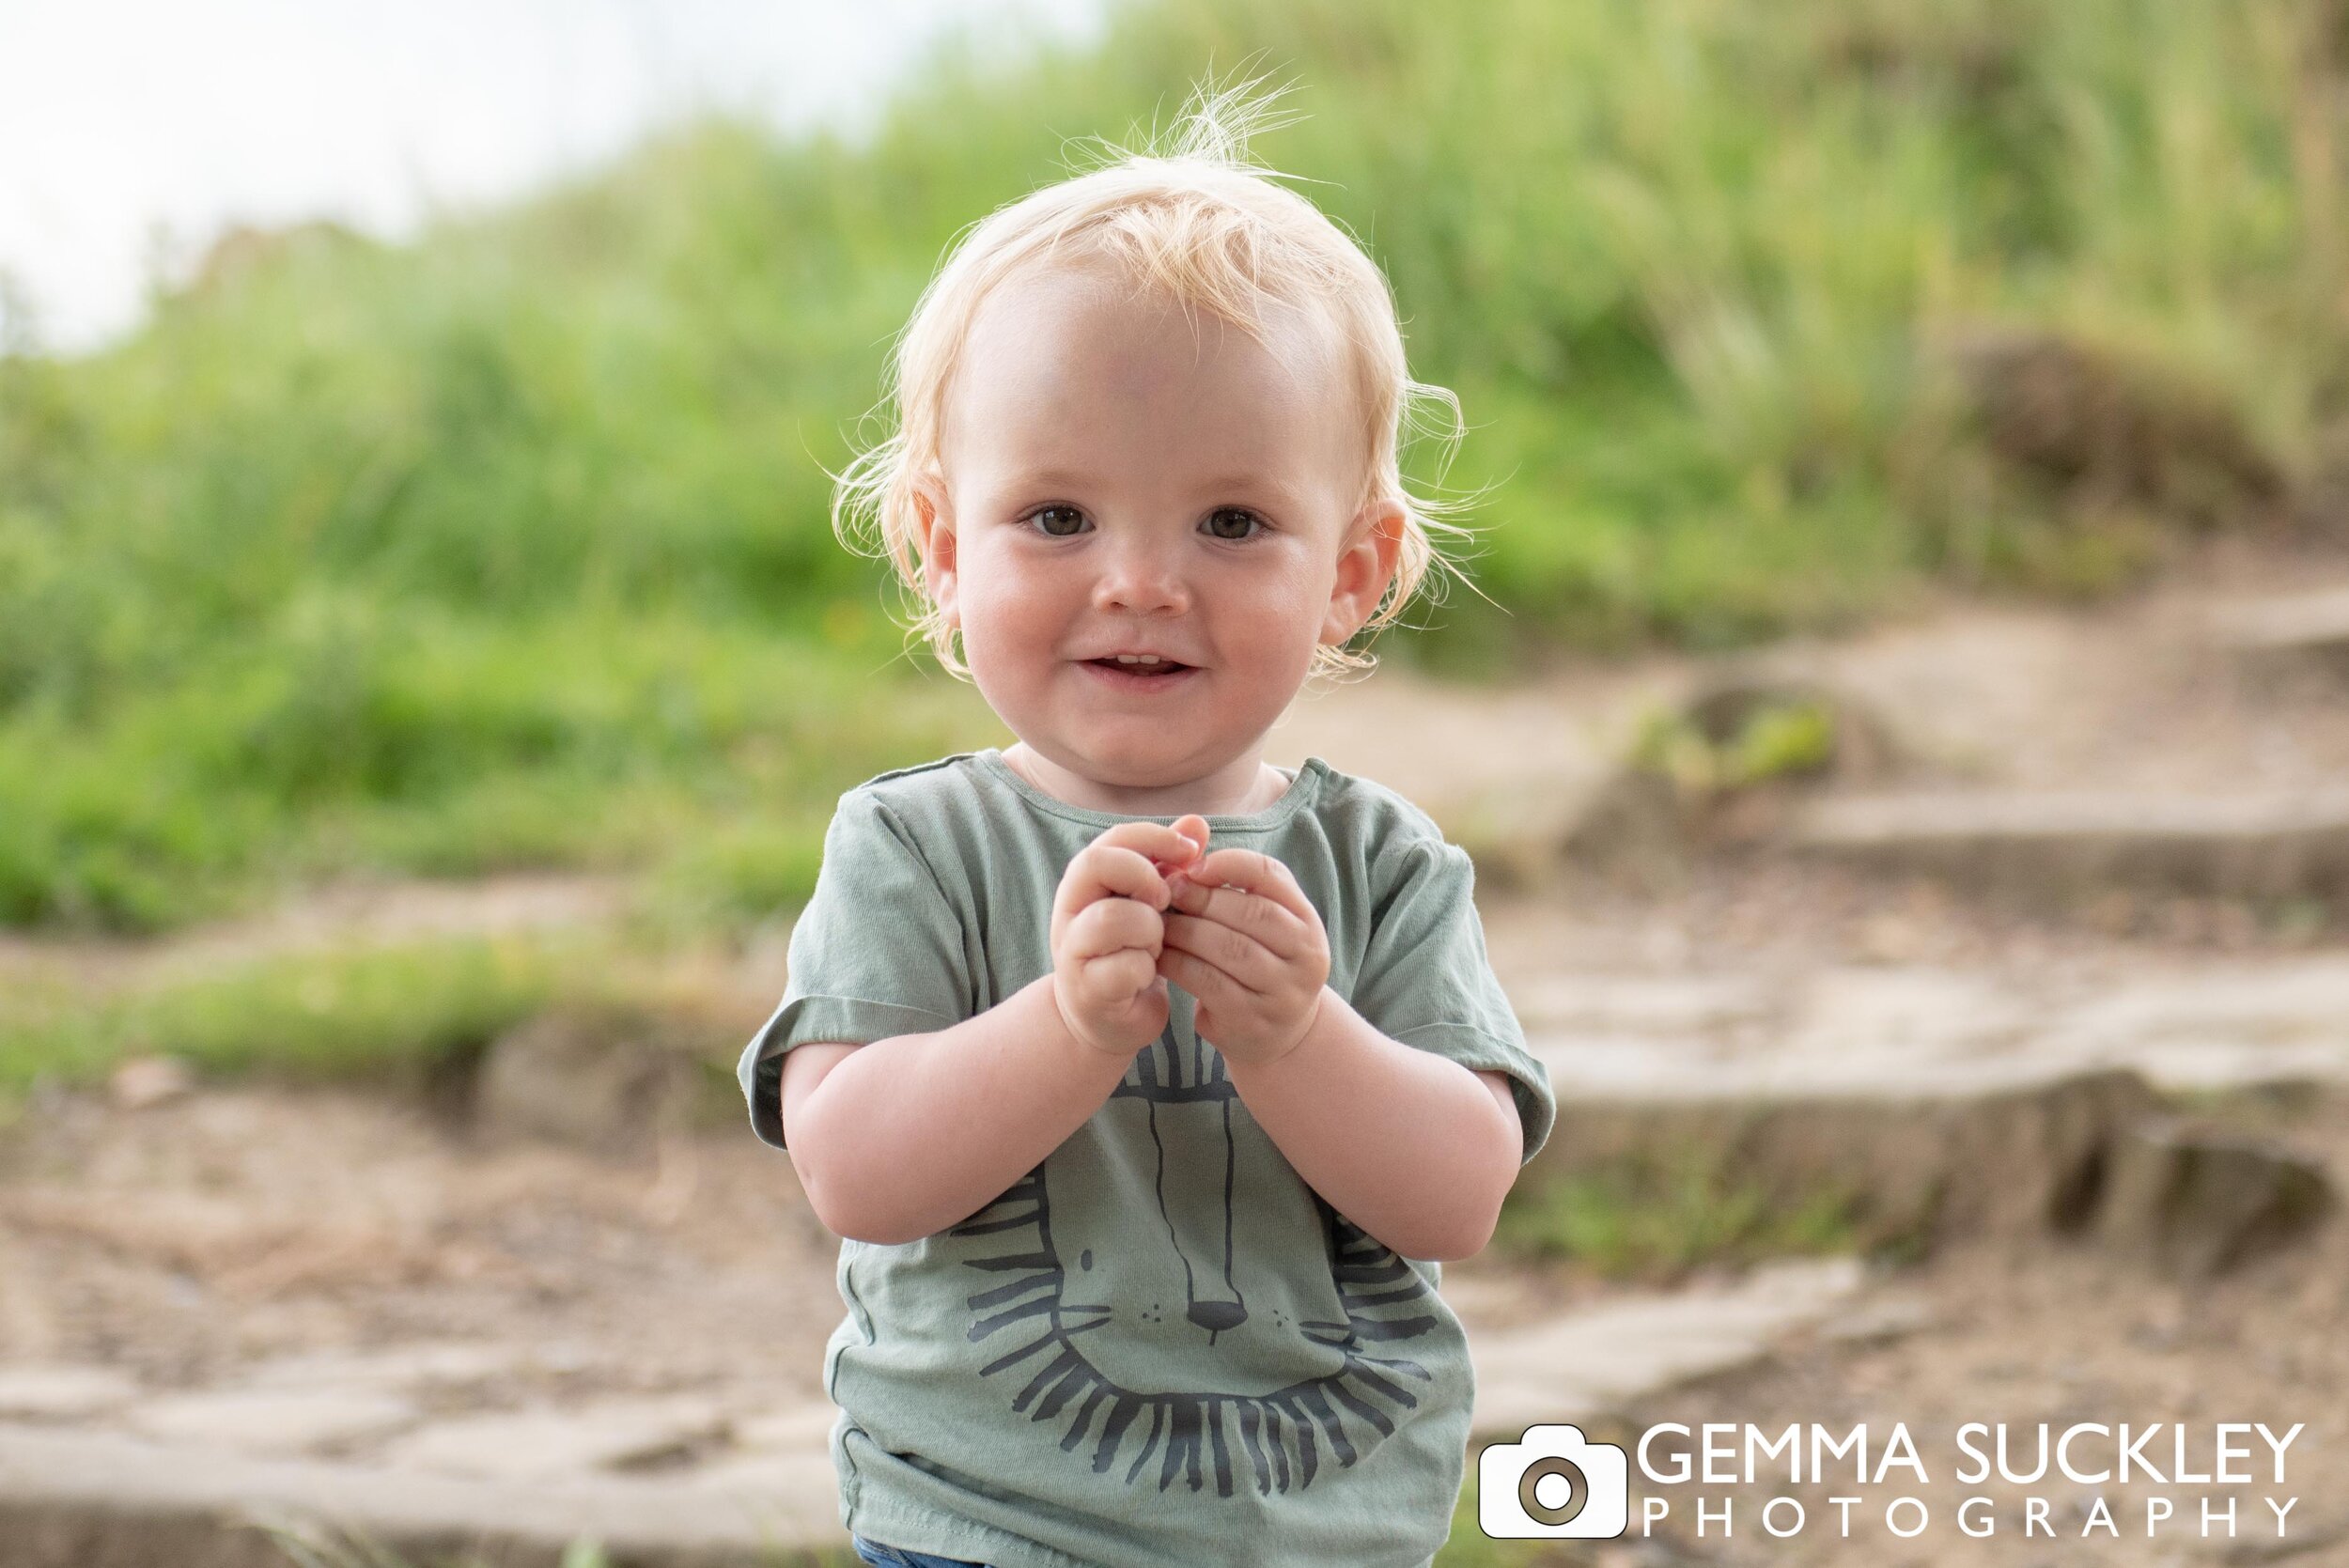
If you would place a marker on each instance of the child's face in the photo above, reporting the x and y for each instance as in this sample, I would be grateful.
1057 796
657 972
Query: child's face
1121 478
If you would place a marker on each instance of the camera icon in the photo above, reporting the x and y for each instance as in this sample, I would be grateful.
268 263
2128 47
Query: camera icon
1593 1503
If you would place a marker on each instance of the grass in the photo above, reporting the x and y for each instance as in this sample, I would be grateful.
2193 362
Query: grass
395 1010
510 548
1777 740
1656 1219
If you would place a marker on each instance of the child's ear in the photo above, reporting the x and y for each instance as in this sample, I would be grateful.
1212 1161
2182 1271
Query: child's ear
1365 567
934 542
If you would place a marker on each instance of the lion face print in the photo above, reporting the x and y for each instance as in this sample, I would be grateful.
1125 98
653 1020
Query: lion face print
1148 1293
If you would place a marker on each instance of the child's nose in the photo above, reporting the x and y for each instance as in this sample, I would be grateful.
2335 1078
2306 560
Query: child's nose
1140 582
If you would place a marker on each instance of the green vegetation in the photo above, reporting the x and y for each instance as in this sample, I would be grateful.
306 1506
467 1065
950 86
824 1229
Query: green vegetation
1774 742
395 1010
1657 1219
510 548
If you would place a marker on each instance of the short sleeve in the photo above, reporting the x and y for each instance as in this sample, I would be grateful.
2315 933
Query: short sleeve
876 953
1425 980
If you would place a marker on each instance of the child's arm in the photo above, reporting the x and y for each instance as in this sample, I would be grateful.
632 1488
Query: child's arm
903 1137
1414 1148
1407 1144
906 1136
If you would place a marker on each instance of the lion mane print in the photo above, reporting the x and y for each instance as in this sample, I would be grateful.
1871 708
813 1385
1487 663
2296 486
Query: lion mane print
1047 1307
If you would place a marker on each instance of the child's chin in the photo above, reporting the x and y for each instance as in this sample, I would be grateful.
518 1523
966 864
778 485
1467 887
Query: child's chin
1140 761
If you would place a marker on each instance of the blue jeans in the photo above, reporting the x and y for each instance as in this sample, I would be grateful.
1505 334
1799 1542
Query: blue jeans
897 1556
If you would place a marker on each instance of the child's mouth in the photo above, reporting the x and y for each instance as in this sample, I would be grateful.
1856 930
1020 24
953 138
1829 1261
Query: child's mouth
1137 676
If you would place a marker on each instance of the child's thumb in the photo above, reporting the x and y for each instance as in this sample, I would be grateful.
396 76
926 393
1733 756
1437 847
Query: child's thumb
1194 828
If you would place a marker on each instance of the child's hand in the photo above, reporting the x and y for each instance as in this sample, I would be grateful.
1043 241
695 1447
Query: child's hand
1107 928
1242 938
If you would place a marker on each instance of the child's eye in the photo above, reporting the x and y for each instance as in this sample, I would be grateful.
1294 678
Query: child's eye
1223 519
1057 521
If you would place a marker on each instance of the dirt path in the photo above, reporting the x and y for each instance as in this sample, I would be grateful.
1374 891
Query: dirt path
2063 1338
264 1239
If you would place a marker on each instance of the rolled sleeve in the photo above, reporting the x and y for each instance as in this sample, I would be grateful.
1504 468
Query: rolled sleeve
876 953
1427 981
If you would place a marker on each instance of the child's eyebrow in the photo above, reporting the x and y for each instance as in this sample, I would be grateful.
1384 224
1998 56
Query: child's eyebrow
1067 479
1049 478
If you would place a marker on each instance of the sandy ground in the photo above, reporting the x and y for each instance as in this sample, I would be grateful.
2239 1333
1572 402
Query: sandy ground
193 1238
2064 1339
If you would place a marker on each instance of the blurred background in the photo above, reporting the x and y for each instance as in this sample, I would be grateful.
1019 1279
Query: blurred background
1914 444
444 489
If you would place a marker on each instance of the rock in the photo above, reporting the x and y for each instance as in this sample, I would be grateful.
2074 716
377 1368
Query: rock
2294 633
72 1499
1636 1005
2061 846
1861 745
267 1422
2218 1026
1723 763
405 1369
1880 1321
605 1078
147 1080
2194 1202
2281 1023
543 1444
1929 1152
805 1429
63 1392
1593 1362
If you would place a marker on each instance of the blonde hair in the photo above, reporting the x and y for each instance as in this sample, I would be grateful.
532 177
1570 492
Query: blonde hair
1209 228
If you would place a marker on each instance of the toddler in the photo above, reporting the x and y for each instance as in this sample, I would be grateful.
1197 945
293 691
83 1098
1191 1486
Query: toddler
1147 1083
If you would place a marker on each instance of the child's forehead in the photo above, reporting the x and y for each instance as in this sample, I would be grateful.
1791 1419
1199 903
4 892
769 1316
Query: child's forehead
1049 303
1055 355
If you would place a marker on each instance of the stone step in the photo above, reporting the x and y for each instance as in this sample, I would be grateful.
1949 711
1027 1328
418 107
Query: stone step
523 1488
1595 1362
1948 1152
2062 845
77 1498
1863 1029
2296 632
1938 1106
2019 1157
1948 1103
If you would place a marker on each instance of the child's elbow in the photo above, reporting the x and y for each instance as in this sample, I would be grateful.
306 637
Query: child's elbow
873 1234
840 1213
1443 1242
1472 1230
1462 1244
848 1211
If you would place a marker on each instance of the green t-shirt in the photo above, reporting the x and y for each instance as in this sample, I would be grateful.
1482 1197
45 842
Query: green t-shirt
1160 1348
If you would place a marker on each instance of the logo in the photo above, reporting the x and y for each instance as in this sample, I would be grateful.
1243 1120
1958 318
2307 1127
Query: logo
1553 1485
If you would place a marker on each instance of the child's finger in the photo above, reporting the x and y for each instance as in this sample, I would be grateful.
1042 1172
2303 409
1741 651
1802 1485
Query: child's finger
1109 871
1208 985
1274 926
1157 840
1111 924
1255 871
1119 977
1250 964
1193 830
